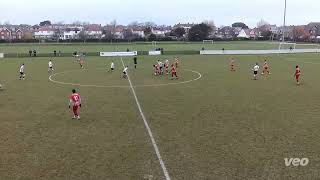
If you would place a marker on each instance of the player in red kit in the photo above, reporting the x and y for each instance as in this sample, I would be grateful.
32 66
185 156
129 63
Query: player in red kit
297 74
173 72
75 102
232 64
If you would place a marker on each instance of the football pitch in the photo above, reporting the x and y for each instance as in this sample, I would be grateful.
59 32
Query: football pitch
210 123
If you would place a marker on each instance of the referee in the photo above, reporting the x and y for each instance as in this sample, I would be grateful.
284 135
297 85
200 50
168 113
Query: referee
135 61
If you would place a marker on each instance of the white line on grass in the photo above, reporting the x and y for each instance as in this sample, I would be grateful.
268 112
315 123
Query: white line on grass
156 149
51 78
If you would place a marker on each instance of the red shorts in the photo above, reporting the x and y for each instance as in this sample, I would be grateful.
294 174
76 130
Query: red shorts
174 74
75 110
297 77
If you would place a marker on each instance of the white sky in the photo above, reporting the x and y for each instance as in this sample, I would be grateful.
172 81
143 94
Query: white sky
222 12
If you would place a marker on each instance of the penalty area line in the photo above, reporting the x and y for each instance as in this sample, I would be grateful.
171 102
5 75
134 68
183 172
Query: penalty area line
154 144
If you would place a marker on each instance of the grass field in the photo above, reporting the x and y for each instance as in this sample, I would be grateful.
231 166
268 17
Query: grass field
222 126
167 46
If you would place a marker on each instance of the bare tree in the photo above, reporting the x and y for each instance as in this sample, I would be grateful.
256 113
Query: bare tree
262 23
83 35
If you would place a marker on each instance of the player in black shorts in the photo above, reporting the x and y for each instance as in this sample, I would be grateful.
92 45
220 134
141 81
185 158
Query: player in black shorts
135 61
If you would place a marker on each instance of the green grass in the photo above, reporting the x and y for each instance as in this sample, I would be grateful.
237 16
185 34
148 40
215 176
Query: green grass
223 126
70 48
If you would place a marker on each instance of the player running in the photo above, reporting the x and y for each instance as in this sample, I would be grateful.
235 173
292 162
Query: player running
232 64
173 72
255 71
112 66
50 64
265 68
75 102
125 72
297 74
21 71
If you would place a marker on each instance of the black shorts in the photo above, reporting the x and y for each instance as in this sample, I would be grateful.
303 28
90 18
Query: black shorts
21 73
255 72
112 69
50 67
124 73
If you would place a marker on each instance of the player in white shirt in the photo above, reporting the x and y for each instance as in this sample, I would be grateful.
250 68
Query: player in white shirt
21 71
255 71
50 64
112 66
125 72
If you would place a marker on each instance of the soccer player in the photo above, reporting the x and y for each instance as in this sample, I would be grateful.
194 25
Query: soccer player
112 66
177 62
255 71
50 64
173 72
232 64
161 65
21 71
75 102
81 62
135 61
166 64
297 74
125 72
265 68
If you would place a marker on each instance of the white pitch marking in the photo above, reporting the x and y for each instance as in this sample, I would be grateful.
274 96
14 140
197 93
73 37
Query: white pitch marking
101 86
156 149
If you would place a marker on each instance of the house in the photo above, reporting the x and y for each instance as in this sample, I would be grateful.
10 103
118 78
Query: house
138 31
313 29
70 33
226 32
253 33
118 32
186 26
10 34
244 33
43 33
160 31
93 31
5 33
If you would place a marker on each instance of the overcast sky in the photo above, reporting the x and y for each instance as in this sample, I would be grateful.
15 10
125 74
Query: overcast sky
222 12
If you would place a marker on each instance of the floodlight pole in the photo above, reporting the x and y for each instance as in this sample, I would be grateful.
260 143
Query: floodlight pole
284 19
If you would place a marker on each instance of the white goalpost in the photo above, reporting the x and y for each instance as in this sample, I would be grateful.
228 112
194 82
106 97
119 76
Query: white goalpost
207 42
286 45
154 44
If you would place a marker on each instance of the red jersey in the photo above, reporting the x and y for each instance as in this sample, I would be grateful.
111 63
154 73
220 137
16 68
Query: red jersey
75 99
298 72
173 69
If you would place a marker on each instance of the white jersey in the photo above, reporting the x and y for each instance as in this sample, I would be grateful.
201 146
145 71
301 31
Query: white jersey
125 70
256 68
112 65
21 69
167 61
50 64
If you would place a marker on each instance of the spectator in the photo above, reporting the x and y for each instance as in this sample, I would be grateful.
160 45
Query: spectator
34 53
30 53
55 53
